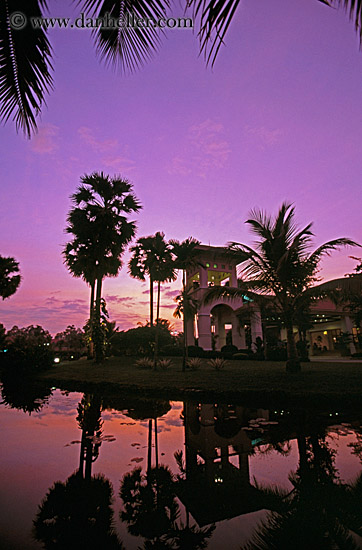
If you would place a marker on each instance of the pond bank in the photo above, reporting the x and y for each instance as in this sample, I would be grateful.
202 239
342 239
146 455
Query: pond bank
319 384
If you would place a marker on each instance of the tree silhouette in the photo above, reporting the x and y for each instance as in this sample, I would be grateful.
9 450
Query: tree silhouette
185 254
98 221
9 277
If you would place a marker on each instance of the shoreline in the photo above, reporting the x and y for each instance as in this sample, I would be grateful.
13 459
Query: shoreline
258 383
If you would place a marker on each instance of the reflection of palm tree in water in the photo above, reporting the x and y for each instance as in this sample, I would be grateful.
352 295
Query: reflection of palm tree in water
89 421
78 513
150 507
320 510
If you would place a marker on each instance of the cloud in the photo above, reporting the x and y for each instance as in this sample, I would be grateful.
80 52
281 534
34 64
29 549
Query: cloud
112 154
206 149
127 301
45 140
172 293
262 136
101 146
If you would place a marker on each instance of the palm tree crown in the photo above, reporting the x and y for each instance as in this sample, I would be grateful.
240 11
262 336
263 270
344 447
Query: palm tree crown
9 277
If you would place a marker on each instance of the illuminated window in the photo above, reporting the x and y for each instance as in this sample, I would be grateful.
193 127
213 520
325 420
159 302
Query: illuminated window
207 265
215 266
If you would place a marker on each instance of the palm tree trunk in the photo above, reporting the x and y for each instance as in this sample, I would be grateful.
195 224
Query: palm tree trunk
156 443
96 329
149 450
151 301
91 312
157 325
293 363
91 304
185 350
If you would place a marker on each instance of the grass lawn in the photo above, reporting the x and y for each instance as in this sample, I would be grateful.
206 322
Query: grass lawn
264 383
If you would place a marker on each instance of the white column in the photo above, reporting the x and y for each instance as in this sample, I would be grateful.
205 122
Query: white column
255 326
190 332
234 277
203 277
238 337
348 327
204 330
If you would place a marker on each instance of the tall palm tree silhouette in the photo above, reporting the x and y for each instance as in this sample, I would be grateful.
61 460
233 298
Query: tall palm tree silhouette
101 231
185 253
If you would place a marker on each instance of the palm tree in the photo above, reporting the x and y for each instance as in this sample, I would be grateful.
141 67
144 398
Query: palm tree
163 271
186 309
80 263
280 266
152 257
77 514
320 511
141 264
185 254
98 221
9 277
26 54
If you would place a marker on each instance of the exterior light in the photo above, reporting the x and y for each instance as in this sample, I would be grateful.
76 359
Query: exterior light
325 332
215 266
56 360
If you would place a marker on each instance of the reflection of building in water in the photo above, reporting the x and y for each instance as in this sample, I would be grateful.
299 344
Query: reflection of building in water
216 484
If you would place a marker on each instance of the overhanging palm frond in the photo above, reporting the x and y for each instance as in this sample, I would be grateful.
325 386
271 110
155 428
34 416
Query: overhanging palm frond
129 46
354 10
215 18
25 65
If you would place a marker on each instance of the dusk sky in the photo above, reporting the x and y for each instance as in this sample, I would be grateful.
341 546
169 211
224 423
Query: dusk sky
279 117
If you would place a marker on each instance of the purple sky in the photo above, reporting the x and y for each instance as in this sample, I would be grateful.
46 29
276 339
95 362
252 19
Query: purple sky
278 118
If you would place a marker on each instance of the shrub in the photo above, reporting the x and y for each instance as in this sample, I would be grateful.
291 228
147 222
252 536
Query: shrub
195 351
141 340
276 353
194 363
210 354
164 364
28 348
144 363
217 363
171 351
241 356
229 348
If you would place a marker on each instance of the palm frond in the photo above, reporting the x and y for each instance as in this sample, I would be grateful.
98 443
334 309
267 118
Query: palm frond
215 18
129 46
328 247
25 65
354 10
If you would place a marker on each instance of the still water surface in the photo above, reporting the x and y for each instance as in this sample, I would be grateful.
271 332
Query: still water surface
158 474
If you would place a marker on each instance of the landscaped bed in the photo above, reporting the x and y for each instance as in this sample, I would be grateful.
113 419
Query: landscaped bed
261 383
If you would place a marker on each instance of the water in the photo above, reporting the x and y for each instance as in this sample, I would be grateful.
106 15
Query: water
207 470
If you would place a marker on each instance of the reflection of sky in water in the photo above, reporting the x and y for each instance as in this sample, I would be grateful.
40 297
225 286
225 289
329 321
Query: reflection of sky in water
44 447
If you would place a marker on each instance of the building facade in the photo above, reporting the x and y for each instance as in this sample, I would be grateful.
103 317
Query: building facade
238 321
